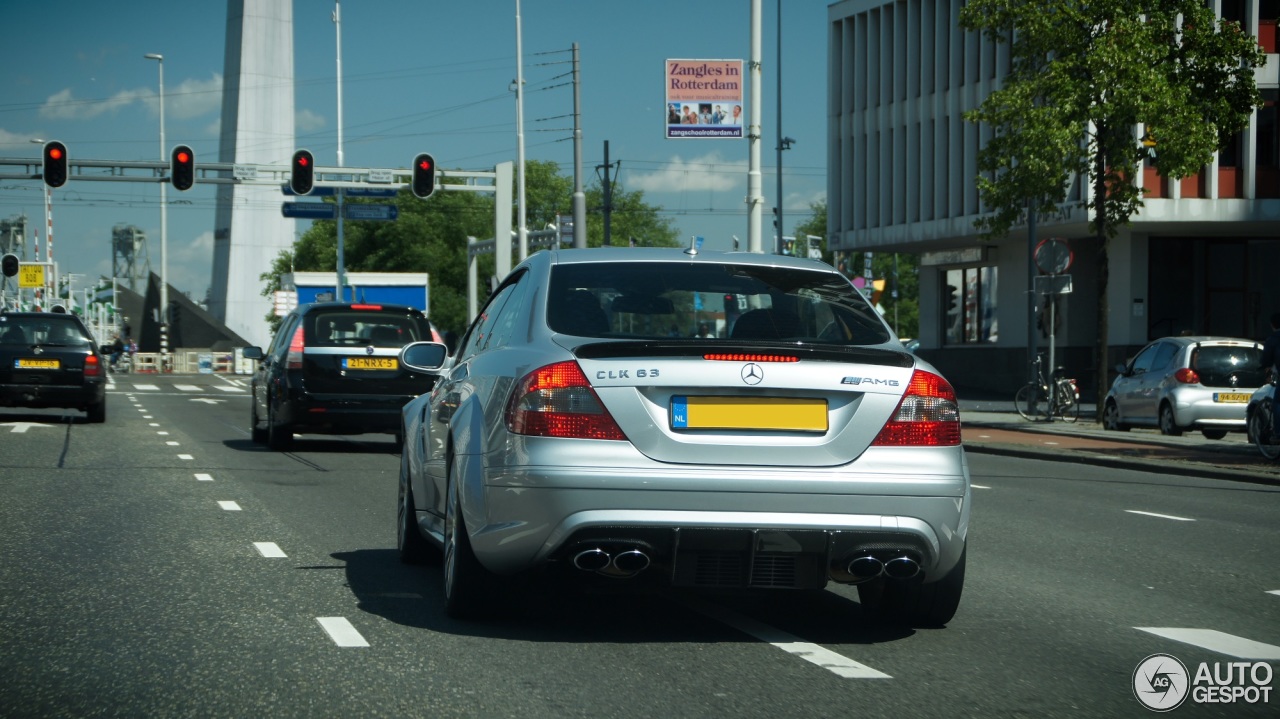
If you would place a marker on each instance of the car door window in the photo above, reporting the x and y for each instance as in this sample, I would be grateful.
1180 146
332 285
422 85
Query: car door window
478 336
508 317
281 341
1142 363
1164 354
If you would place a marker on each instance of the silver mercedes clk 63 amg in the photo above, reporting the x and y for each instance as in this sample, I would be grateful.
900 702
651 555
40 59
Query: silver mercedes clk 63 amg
704 420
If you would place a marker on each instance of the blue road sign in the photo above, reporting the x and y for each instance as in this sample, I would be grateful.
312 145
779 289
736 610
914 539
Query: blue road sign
371 212
322 191
309 210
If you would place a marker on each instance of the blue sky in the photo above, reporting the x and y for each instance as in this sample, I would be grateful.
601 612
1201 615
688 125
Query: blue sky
418 77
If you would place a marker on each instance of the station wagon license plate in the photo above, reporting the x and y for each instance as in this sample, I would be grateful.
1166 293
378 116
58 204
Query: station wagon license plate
1235 397
36 364
370 363
760 413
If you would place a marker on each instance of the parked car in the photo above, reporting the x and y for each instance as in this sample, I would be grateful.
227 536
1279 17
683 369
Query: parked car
49 359
333 368
1186 383
583 427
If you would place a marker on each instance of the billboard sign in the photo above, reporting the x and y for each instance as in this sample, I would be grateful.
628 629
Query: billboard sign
704 99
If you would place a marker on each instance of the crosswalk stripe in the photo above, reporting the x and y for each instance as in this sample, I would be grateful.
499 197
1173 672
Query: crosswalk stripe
1219 642
187 387
148 387
341 632
229 389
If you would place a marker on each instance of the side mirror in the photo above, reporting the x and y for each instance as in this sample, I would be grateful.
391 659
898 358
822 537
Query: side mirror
1122 369
252 352
424 357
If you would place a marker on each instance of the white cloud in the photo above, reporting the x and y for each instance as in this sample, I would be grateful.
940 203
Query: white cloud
190 98
307 121
710 172
12 138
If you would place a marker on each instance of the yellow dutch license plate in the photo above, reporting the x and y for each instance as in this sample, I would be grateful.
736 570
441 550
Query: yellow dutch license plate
36 364
1236 397
760 413
370 363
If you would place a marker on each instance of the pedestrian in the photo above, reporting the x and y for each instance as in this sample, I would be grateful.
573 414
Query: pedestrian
117 349
1271 349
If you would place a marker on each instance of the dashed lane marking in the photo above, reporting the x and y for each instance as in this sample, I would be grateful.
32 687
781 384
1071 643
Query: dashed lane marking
147 387
187 387
979 486
837 664
1161 516
1219 642
172 443
229 506
186 456
269 549
161 432
1274 591
341 632
204 477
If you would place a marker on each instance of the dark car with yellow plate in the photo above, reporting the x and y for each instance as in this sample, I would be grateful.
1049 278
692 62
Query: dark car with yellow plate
333 368
49 359
1183 384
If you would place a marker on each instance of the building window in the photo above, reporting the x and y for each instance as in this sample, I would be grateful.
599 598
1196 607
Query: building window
969 306
1267 135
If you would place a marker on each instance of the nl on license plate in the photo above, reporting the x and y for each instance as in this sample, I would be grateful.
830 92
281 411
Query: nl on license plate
36 364
761 413
1230 397
370 363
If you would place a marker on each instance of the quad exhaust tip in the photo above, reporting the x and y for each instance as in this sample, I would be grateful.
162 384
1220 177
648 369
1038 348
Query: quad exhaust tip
591 560
631 561
866 568
901 568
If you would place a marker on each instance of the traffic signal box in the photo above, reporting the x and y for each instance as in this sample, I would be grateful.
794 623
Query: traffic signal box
302 175
55 164
10 264
424 175
182 168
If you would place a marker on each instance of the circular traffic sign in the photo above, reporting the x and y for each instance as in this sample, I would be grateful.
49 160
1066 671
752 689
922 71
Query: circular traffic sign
1053 256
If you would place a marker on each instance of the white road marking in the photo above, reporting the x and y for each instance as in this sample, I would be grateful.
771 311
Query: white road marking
161 432
22 427
1274 591
172 443
185 456
1161 516
837 664
1219 642
229 506
155 424
1051 443
187 387
206 400
148 387
204 477
269 549
229 389
979 486
341 632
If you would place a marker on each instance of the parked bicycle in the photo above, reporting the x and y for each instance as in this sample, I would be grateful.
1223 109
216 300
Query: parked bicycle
1041 401
1262 423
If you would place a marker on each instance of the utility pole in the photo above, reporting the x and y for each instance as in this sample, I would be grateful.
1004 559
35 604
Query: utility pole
522 229
607 192
340 291
784 143
755 200
579 197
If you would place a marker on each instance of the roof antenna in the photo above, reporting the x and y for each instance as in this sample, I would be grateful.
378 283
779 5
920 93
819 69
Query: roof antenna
693 245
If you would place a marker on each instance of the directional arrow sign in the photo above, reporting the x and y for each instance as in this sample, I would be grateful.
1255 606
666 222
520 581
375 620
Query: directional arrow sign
371 212
206 400
21 427
329 191
309 210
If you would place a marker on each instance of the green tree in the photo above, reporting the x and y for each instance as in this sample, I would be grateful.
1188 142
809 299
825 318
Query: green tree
1083 75
902 312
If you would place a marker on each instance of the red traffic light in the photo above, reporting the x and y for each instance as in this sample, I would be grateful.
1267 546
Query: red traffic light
183 157
424 164
55 164
424 176
302 175
55 153
182 168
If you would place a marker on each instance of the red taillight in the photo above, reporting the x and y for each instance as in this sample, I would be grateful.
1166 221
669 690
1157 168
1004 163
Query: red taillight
738 357
92 367
927 415
1186 375
296 346
366 307
557 401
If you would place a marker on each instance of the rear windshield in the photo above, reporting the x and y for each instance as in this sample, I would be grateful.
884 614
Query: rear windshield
710 300
52 330
1217 365
344 327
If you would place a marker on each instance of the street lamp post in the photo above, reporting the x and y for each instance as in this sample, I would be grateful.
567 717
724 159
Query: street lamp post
164 230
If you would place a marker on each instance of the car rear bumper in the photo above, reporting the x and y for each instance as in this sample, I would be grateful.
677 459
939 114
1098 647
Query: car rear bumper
341 414
43 395
1200 410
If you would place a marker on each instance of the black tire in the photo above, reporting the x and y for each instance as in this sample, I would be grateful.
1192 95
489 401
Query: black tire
96 413
1032 403
257 433
1111 417
1261 431
467 584
412 547
1213 433
279 437
913 602
1169 423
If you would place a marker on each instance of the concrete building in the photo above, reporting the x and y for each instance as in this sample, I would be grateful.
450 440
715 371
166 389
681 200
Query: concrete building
1201 256
257 128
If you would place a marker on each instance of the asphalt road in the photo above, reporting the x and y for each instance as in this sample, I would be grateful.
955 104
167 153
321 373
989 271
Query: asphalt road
129 587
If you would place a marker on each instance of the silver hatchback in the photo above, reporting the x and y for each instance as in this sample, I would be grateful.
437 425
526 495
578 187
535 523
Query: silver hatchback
1186 383
708 421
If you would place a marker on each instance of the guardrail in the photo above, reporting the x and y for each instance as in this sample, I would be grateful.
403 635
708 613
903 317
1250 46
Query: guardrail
191 361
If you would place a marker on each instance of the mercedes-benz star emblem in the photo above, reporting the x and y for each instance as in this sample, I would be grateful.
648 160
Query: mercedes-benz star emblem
752 374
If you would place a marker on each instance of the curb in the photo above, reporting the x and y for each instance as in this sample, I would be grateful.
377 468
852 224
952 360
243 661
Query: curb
1184 469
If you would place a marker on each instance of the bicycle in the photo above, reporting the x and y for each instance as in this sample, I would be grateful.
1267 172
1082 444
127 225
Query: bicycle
1041 402
1262 427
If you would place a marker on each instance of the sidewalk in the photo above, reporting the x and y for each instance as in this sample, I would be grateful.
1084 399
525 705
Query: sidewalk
990 425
